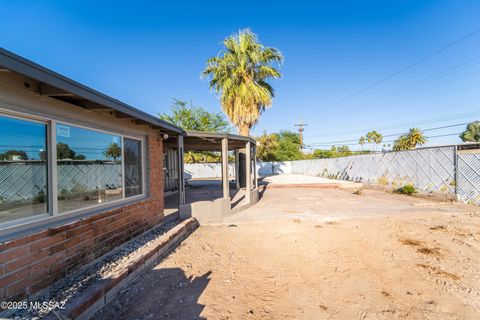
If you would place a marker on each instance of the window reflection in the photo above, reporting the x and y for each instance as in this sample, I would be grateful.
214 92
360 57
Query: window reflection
23 168
89 167
133 167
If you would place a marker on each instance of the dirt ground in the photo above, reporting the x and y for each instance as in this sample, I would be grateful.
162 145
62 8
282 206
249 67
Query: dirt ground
319 254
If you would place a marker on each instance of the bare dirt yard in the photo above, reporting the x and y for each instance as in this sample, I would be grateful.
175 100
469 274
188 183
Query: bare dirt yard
319 254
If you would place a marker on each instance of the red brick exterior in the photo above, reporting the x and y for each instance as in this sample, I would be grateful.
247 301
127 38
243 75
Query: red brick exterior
32 263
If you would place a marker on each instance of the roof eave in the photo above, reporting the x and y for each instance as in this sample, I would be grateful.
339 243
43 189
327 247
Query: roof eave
29 69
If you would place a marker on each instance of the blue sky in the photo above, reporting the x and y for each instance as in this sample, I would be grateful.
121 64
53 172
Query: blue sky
29 137
92 144
147 53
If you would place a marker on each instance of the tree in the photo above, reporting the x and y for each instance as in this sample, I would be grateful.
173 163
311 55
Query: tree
190 117
205 157
374 138
471 133
267 147
11 154
415 137
282 146
409 141
361 142
289 147
113 151
400 144
344 151
323 154
240 74
64 152
334 152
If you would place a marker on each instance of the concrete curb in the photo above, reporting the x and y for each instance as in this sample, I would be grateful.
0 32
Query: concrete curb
97 295
306 185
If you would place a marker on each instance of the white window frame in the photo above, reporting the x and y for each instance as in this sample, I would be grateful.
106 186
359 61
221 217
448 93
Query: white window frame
35 216
142 160
52 178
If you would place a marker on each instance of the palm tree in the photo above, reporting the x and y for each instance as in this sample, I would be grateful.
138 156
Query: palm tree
401 144
370 137
374 138
113 151
378 138
415 137
361 142
411 140
240 73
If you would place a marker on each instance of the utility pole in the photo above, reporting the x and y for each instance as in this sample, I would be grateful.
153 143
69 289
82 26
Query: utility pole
301 126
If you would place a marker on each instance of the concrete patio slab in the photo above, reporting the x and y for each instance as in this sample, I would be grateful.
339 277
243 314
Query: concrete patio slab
308 181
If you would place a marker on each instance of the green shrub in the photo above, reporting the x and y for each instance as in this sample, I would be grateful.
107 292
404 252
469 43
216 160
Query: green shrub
407 189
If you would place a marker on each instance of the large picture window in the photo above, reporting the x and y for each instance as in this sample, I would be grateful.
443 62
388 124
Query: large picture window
23 168
133 167
89 167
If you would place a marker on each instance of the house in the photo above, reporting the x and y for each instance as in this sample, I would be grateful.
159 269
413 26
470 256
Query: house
80 174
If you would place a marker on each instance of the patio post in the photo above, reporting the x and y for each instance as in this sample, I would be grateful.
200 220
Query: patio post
225 183
181 178
248 172
255 174
237 169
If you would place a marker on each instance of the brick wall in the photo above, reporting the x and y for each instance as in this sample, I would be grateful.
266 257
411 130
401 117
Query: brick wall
32 263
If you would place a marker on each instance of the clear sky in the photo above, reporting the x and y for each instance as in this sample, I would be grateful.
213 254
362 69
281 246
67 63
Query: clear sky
147 53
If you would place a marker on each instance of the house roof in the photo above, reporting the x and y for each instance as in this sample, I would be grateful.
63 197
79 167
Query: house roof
62 88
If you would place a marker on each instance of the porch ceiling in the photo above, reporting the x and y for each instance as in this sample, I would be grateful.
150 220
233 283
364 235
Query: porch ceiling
206 141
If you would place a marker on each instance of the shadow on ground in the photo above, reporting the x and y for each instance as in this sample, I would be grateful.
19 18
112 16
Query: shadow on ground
203 190
168 295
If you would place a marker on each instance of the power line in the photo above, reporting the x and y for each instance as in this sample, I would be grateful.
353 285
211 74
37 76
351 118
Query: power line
409 66
432 137
388 141
444 135
437 76
391 135
383 142
445 72
410 124
414 98
411 88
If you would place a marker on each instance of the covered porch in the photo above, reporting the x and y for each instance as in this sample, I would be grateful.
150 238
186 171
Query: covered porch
211 200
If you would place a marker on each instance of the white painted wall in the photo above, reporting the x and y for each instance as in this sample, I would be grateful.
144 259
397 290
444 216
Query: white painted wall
272 168
207 170
214 170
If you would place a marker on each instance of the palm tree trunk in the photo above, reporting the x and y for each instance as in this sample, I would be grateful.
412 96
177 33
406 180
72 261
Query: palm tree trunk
244 130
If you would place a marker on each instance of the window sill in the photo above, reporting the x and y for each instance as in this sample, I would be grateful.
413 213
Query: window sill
41 222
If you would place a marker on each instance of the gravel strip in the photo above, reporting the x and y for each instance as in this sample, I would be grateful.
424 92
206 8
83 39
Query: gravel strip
67 288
